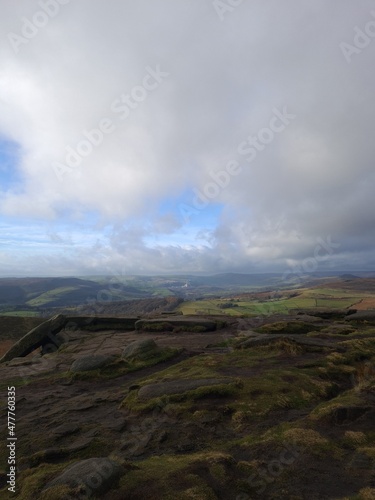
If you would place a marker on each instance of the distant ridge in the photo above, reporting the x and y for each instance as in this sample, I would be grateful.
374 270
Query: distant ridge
349 277
239 279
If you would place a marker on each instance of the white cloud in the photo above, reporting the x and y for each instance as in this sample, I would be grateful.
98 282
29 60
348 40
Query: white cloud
224 79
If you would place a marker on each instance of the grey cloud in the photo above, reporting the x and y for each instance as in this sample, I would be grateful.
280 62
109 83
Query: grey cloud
225 77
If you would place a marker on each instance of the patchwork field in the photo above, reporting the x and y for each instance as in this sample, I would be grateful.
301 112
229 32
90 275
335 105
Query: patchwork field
282 302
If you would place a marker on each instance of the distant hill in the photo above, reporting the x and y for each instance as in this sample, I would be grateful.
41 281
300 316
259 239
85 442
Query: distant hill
11 294
39 294
349 277
44 296
138 307
236 279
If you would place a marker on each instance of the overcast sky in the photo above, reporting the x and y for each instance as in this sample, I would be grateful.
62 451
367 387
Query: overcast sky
182 136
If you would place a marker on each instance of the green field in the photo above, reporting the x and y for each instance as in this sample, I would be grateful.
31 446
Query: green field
47 297
322 298
334 292
21 314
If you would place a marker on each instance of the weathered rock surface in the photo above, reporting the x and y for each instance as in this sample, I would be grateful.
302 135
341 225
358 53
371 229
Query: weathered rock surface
97 323
25 361
51 334
168 324
267 339
65 429
177 387
140 349
94 475
91 362
368 316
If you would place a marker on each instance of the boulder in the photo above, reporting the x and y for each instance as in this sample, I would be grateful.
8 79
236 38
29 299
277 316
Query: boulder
362 316
178 387
42 335
140 349
91 362
94 475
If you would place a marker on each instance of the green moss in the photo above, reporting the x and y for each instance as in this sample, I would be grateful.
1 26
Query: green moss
195 329
250 397
285 327
61 492
269 388
224 391
171 477
359 349
157 327
349 398
32 481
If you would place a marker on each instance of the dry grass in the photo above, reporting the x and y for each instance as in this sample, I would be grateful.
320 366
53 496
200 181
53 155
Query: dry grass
365 304
355 437
367 494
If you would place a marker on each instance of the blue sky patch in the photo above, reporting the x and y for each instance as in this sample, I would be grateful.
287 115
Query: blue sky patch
9 160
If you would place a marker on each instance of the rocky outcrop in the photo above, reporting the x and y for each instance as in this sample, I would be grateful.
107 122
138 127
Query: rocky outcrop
94 476
169 324
39 336
55 331
97 323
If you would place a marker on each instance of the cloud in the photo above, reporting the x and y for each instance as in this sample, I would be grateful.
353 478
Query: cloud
217 83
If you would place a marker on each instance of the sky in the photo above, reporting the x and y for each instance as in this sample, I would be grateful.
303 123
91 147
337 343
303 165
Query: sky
186 136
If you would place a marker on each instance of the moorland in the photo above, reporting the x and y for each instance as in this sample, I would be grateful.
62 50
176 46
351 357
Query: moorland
219 388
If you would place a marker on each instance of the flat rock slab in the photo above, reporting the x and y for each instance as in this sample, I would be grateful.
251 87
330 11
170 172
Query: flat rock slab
95 323
91 362
25 361
178 387
41 335
94 475
168 324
